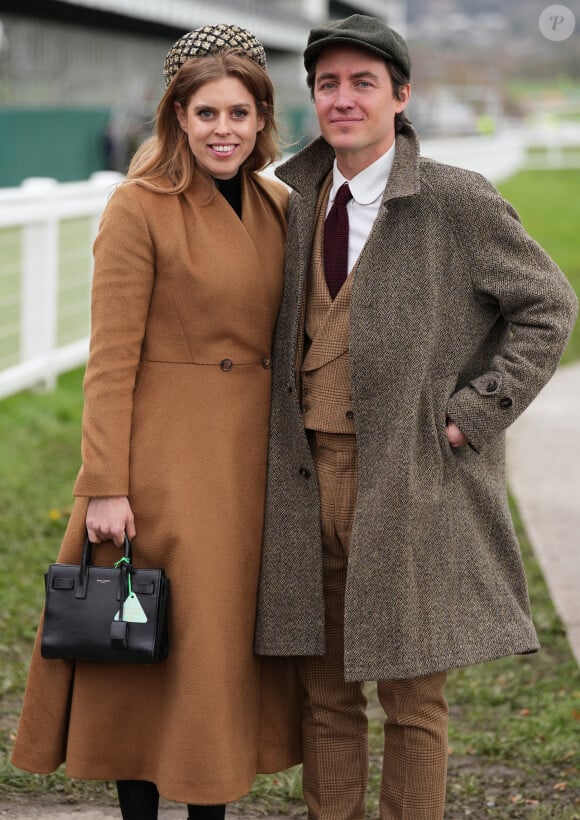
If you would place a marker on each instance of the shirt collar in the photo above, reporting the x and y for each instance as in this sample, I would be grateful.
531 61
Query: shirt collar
367 185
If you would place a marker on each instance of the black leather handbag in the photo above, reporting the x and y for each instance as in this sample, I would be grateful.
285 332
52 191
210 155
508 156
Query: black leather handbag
109 614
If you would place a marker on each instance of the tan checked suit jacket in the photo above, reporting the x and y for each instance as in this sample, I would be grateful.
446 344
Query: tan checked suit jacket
325 372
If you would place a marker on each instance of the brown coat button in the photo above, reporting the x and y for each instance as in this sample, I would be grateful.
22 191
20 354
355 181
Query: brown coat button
226 364
266 362
349 414
506 402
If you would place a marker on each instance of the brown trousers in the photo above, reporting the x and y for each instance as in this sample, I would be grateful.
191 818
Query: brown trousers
335 735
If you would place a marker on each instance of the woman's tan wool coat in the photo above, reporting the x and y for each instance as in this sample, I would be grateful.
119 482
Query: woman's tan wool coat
177 393
455 311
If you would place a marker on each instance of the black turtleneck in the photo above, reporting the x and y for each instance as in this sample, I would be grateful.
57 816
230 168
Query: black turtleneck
231 189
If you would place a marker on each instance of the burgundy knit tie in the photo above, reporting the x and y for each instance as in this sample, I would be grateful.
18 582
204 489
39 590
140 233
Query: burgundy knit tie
336 241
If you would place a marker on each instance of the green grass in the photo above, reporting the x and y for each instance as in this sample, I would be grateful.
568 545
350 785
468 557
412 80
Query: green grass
549 206
515 722
39 454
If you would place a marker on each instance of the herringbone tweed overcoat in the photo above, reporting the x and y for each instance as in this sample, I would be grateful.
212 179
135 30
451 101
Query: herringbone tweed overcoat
455 312
177 398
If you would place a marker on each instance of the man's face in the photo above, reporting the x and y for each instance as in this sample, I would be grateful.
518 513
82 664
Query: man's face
354 101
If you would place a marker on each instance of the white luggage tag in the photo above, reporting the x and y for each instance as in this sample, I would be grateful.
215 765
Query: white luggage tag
133 612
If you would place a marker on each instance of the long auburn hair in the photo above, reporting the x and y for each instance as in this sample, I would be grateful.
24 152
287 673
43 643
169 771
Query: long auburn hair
167 155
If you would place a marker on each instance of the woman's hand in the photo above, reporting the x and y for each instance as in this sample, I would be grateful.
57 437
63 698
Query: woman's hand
109 518
454 435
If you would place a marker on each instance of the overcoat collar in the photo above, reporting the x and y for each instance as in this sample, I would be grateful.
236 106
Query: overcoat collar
307 169
305 172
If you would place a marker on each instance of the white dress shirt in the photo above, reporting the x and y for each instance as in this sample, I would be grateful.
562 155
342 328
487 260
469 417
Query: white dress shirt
367 190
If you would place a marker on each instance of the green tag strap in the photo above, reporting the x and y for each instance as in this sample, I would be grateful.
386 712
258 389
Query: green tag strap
125 560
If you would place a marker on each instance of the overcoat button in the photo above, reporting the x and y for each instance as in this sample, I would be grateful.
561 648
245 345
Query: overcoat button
289 387
304 472
349 414
506 402
226 364
266 362
491 386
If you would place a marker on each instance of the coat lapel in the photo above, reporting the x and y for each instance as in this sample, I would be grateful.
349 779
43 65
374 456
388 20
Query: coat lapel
265 238
312 164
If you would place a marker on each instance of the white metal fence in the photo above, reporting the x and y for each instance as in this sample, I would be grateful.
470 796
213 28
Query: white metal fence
46 235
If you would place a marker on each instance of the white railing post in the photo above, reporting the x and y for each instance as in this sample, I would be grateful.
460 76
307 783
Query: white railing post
40 288
37 208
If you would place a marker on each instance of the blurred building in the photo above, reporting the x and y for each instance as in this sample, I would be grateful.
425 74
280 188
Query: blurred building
80 81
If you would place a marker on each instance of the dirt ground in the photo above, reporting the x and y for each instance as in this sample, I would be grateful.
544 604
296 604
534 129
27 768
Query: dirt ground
32 809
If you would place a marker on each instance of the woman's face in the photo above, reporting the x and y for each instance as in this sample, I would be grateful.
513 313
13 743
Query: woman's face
221 121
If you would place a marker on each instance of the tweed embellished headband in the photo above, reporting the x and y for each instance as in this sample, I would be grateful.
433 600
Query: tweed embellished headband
210 40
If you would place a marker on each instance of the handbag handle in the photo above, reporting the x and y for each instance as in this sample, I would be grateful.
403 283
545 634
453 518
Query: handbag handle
87 560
